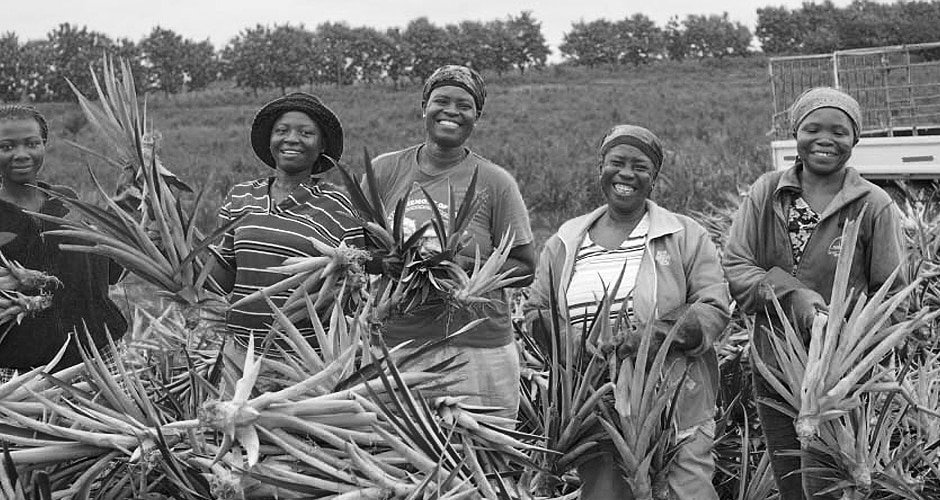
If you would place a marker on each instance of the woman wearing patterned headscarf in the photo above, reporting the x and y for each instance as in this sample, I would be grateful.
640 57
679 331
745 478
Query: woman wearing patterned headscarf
452 101
785 242
670 278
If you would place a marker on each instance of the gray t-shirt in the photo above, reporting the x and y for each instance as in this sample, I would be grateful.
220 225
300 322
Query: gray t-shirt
502 211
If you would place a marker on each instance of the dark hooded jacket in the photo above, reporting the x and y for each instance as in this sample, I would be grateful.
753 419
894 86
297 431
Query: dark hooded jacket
758 259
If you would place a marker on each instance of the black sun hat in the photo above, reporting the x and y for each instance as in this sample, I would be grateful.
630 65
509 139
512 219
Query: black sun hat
306 103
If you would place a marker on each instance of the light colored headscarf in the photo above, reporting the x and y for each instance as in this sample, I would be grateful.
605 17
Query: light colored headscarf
636 136
456 76
825 97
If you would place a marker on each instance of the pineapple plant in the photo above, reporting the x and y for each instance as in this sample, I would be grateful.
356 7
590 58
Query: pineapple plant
835 383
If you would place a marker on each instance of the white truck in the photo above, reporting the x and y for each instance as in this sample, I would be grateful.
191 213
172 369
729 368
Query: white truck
898 88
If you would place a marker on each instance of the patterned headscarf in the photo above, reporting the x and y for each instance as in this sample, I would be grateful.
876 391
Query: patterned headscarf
638 137
24 112
825 97
456 76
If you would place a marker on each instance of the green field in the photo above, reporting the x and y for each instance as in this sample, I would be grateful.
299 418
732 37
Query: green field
543 127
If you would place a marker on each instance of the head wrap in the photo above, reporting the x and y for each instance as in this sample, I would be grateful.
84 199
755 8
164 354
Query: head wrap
635 136
456 76
825 97
309 104
24 112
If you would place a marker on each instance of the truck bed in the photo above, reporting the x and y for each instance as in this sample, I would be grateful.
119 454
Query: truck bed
899 157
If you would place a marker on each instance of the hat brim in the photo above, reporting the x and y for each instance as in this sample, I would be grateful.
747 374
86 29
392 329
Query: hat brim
326 120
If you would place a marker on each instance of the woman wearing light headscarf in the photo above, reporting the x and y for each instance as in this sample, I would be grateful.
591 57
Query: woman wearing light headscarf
671 278
452 102
785 242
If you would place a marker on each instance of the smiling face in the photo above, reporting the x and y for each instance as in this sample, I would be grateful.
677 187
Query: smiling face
824 141
627 176
449 116
22 150
296 142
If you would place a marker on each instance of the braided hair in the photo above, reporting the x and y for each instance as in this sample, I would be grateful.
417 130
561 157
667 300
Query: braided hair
24 112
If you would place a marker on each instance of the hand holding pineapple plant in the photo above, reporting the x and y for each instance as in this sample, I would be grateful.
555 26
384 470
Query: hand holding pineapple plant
410 269
844 385
23 292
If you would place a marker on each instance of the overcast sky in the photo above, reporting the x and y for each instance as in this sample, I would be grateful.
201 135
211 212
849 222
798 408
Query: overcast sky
219 21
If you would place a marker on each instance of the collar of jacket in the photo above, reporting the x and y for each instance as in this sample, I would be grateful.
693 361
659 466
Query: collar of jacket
853 188
661 223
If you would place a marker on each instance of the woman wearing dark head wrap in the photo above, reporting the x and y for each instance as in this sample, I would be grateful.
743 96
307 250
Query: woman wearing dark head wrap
670 274
299 138
452 101
785 242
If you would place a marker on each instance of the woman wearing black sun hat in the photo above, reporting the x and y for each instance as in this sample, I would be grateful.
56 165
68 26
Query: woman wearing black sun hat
300 138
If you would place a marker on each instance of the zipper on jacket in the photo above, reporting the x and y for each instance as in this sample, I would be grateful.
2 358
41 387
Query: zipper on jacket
783 220
796 265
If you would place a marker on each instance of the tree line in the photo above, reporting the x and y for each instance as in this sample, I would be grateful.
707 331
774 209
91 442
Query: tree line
262 57
283 56
812 28
638 40
823 27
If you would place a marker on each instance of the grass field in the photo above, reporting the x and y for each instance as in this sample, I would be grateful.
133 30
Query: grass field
543 127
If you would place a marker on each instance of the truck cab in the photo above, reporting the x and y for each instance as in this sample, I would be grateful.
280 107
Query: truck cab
898 88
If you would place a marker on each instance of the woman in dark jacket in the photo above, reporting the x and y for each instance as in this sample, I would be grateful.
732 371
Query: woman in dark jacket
81 302
785 243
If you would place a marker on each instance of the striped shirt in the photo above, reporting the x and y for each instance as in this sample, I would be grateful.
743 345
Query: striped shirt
596 270
270 233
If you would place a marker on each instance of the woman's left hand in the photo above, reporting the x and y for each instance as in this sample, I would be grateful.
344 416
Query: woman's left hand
630 345
688 335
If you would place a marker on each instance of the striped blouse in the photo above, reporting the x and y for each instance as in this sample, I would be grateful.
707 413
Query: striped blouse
270 233
597 269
